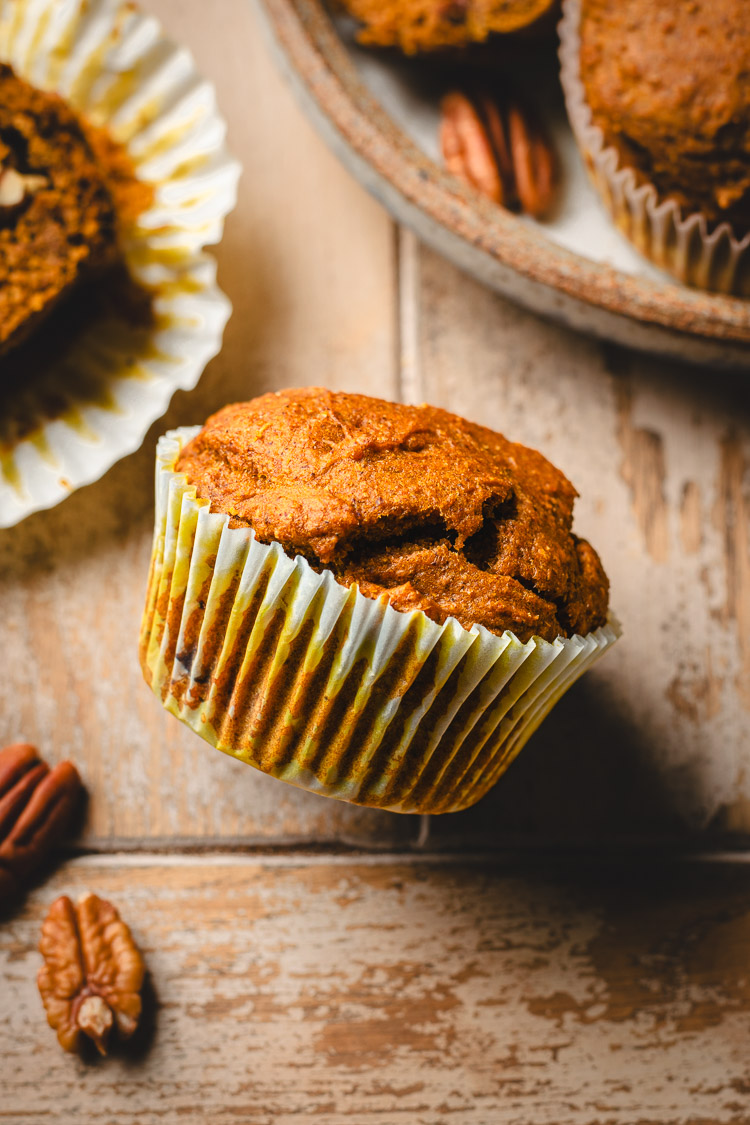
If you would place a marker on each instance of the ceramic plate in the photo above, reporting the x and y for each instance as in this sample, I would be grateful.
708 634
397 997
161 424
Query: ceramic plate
379 114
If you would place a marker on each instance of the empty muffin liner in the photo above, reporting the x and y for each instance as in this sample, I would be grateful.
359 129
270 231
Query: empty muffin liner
713 259
112 63
315 684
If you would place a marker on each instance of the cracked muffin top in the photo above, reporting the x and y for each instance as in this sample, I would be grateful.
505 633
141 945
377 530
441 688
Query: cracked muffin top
435 512
667 85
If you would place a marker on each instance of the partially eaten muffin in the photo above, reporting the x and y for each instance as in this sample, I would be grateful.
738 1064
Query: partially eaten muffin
58 224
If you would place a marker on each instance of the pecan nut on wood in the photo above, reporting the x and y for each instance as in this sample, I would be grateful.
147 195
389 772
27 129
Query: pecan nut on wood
36 806
497 147
92 974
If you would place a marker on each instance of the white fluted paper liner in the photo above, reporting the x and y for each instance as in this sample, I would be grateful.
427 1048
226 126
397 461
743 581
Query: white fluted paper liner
716 260
114 66
309 681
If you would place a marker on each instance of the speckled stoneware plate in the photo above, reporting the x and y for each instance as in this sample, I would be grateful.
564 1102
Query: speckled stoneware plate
379 114
66 418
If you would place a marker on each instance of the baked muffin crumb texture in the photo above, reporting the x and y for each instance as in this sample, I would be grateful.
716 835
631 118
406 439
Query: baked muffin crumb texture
63 228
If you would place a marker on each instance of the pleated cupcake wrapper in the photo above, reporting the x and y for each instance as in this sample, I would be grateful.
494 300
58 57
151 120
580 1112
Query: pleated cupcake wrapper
113 65
315 684
715 260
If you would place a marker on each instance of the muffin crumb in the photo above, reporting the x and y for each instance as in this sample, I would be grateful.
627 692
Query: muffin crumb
63 228
67 191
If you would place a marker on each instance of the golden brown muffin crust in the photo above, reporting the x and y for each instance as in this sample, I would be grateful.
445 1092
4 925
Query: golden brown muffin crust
436 512
667 83
429 25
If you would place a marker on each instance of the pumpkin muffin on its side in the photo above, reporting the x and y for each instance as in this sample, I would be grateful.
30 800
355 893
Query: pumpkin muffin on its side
373 601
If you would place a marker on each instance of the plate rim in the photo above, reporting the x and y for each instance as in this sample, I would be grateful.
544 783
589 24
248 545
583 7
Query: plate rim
672 313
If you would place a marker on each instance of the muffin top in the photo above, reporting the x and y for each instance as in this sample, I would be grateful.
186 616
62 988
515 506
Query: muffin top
435 512
667 83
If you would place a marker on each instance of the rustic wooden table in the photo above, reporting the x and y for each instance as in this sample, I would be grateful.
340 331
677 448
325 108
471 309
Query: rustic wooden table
557 955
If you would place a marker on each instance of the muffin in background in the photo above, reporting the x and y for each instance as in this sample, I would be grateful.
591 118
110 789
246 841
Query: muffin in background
374 601
414 26
658 99
667 85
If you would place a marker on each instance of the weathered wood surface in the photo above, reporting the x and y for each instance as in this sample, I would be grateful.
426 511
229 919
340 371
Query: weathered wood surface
344 991
309 263
655 741
658 736
384 989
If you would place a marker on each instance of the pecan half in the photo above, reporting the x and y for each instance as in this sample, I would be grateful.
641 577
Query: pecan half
467 149
498 148
533 162
36 805
92 974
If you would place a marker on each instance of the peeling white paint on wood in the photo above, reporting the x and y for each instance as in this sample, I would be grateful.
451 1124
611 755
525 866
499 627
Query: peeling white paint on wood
655 740
667 713
393 991
384 990
72 580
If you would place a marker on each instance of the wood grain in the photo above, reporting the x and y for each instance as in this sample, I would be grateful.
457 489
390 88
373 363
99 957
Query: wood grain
309 263
350 989
343 991
657 739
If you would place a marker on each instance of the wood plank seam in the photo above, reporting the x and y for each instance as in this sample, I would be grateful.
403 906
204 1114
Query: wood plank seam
508 858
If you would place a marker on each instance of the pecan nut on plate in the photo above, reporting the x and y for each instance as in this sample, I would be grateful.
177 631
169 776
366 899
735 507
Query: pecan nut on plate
497 147
36 807
92 974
